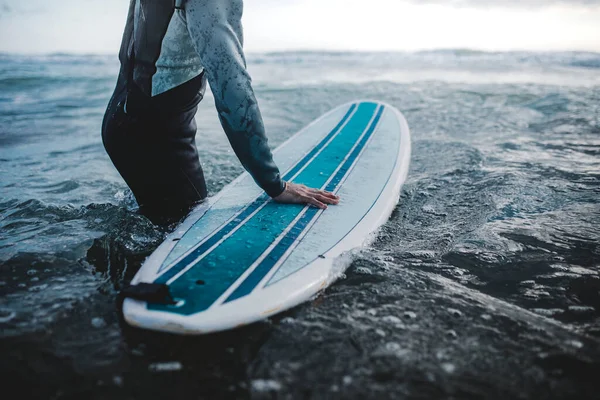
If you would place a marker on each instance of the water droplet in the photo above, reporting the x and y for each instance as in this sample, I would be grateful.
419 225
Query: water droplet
363 271
165 366
391 319
448 368
38 288
118 380
581 309
265 385
6 315
455 312
548 312
98 322
138 351
410 315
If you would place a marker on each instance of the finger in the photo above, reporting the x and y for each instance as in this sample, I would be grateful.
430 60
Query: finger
325 199
330 195
331 198
314 202
325 193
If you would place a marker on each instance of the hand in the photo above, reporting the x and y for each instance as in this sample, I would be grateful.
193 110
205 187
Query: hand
301 194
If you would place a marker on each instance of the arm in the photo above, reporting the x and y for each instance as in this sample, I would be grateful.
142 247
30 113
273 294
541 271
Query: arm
216 29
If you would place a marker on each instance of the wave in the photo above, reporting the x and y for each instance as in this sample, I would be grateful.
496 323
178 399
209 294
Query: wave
58 57
573 59
20 81
462 57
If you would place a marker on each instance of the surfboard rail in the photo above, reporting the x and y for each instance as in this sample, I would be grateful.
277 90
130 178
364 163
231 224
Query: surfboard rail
268 293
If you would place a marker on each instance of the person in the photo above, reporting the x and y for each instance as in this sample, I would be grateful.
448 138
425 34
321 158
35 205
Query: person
169 50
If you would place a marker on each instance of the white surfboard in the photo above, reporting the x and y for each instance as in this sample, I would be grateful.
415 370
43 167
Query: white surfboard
239 257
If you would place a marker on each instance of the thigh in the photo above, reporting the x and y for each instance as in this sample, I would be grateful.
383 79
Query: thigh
157 157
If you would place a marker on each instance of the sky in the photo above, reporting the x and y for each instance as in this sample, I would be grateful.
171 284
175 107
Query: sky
95 26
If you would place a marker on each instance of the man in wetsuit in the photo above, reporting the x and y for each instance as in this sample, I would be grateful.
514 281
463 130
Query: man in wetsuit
170 49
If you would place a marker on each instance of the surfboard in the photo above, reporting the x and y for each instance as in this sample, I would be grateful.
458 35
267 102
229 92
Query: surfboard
240 257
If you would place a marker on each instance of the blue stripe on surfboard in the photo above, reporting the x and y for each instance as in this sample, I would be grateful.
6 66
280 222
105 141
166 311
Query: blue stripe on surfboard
288 175
252 280
207 279
246 212
211 241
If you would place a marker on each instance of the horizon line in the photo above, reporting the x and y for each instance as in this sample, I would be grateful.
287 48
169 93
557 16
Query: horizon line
465 50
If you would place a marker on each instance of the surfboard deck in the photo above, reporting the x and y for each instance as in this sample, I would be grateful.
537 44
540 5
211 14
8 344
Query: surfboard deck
240 257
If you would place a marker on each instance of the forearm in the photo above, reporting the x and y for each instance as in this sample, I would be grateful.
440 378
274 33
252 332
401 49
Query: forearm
215 26
250 145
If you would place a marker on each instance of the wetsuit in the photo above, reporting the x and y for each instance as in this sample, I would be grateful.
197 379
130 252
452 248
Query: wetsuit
170 48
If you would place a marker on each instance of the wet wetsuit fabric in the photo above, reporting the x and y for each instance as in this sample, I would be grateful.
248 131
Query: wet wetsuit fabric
168 52
153 147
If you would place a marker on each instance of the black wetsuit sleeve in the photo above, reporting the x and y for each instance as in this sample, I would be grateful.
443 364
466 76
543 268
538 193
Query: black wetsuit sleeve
216 29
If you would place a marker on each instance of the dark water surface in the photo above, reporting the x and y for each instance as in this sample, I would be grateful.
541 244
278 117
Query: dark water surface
485 283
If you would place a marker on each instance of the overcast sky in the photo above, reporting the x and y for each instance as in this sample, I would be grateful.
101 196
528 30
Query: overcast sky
95 26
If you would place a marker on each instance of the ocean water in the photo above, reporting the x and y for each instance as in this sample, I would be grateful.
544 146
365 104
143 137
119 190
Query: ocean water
485 282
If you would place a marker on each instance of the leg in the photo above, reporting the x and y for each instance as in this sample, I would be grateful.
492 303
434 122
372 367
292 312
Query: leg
154 150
